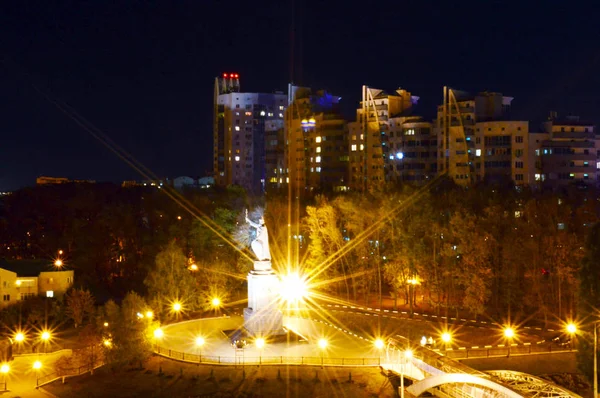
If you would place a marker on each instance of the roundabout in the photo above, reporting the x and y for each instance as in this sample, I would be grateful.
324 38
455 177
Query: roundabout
205 341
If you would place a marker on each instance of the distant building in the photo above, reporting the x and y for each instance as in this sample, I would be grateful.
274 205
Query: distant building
316 138
242 122
43 180
478 142
184 182
569 153
22 279
145 183
388 143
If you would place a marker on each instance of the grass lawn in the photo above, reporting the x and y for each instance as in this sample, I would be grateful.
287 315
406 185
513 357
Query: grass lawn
187 380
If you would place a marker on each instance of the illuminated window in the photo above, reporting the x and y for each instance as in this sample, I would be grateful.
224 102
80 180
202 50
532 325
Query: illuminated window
248 113
287 179
538 177
318 139
362 146
598 165
362 137
318 159
237 158
262 113
354 147
477 152
49 293
354 137
270 114
237 128
281 115
409 132
318 169
280 107
318 149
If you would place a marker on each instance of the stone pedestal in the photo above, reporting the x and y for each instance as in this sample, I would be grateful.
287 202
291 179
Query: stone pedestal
262 317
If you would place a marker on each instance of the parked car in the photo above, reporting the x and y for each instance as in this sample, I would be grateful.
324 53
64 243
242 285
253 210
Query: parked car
562 340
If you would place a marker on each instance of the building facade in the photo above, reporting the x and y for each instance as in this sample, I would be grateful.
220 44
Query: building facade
23 279
569 153
316 143
478 142
241 125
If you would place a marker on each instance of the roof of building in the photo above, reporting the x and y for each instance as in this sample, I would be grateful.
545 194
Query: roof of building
29 267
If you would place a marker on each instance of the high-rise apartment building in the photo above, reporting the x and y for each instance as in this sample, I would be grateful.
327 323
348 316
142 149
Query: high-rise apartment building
569 153
478 142
242 122
388 144
316 142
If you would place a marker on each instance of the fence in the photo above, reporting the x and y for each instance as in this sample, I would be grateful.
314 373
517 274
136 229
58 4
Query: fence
69 372
490 352
265 360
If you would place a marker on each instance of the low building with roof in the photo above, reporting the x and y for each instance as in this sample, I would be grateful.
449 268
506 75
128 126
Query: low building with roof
23 279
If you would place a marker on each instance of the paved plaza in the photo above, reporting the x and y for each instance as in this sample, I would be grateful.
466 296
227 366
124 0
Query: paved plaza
182 337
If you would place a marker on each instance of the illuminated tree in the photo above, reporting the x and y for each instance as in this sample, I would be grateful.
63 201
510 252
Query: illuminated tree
79 305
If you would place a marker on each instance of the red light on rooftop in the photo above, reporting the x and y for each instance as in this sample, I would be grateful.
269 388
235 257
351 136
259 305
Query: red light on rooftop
224 75
236 75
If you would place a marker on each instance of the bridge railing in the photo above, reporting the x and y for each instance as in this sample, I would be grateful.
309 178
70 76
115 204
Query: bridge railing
490 352
265 360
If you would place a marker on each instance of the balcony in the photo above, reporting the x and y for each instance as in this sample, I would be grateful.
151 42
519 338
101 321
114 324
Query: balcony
574 136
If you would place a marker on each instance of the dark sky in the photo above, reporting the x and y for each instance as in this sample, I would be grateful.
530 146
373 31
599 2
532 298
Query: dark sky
143 71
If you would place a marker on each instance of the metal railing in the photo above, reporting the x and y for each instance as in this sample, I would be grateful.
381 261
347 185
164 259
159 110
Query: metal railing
68 372
265 360
494 352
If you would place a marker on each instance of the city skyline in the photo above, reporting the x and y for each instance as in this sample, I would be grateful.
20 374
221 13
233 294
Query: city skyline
144 75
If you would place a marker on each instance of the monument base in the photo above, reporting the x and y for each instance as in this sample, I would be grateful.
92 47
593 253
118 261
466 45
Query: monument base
262 317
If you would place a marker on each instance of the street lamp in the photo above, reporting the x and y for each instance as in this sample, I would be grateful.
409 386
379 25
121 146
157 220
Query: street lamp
379 344
408 354
45 336
4 369
322 346
447 339
177 306
260 343
149 314
158 334
58 262
37 365
199 343
215 302
571 329
509 333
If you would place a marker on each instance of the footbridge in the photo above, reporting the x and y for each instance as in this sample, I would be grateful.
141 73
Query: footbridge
428 371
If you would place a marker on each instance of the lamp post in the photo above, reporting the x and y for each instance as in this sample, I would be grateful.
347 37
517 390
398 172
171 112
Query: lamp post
322 346
158 334
199 343
509 333
572 330
45 336
408 354
4 369
260 343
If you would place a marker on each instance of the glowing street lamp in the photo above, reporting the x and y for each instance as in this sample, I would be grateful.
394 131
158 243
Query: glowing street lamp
199 343
149 314
19 337
45 337
408 354
215 302
322 345
107 343
58 262
447 339
379 344
260 344
509 333
293 288
158 333
5 369
105 324
193 267
177 306
572 330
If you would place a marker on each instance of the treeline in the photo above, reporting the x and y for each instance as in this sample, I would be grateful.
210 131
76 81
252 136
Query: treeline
485 250
504 253
111 236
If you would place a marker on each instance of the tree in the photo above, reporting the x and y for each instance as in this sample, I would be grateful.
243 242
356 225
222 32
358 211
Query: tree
171 281
80 304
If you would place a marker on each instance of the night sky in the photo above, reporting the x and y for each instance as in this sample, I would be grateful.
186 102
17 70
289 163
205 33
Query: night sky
143 71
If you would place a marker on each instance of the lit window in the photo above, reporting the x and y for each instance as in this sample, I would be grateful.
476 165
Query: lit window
400 155
49 293
281 115
362 147
362 136
237 113
477 152
237 158
598 165
237 128
270 114
318 139
287 179
538 177
318 169
318 159
248 113
318 149
354 147
262 113
312 169
280 107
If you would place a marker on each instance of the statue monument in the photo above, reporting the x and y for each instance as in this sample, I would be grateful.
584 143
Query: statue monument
262 317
